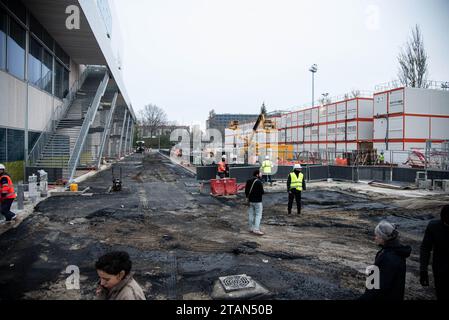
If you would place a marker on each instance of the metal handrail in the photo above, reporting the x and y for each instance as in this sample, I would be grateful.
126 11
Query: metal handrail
395 84
56 116
90 117
107 129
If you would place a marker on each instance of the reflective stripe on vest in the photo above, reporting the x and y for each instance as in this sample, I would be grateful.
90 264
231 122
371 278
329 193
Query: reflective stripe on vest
296 182
266 166
7 188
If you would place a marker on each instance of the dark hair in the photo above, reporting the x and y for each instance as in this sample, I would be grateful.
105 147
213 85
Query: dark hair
256 173
114 262
445 214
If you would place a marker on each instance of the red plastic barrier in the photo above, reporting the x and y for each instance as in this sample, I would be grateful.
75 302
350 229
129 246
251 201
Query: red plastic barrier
230 186
223 187
217 187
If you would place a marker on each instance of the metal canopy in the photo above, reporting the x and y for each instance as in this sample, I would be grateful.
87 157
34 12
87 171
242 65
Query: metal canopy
81 45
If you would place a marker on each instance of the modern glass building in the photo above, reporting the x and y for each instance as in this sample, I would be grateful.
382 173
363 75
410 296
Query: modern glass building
61 83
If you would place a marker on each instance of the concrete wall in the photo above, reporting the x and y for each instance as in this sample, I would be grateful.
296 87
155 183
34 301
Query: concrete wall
12 101
13 104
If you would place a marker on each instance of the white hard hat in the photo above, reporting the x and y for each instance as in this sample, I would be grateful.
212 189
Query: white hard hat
297 166
223 156
2 167
267 158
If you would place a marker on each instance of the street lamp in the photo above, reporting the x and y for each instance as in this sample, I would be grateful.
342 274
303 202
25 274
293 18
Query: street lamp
313 69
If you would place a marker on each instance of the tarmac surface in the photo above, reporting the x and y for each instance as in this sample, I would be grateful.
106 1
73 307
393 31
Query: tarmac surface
181 240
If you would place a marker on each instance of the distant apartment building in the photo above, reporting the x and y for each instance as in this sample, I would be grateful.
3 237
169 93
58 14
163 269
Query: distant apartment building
165 130
222 121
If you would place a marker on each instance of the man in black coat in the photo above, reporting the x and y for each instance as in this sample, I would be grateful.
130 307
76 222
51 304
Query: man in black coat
254 192
436 239
391 261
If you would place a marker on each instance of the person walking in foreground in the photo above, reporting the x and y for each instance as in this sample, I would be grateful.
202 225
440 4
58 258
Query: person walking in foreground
116 280
7 195
436 239
254 192
391 261
295 185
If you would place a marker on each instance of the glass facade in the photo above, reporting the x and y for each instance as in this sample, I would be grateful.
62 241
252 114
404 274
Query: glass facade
48 64
2 39
35 63
16 49
47 72
61 81
12 144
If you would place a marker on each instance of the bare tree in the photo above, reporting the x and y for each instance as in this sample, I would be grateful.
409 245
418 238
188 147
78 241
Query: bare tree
152 118
355 93
413 67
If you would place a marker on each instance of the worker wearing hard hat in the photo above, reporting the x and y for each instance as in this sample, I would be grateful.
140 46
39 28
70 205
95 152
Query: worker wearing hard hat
223 168
295 185
382 158
266 169
7 194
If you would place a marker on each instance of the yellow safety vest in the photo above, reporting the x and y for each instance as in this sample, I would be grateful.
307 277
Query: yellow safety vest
266 167
296 182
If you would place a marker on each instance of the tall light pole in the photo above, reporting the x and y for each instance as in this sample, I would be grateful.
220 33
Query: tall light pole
313 69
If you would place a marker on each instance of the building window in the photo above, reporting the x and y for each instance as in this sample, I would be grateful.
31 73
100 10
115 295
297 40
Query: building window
35 63
2 39
64 57
47 74
16 49
61 81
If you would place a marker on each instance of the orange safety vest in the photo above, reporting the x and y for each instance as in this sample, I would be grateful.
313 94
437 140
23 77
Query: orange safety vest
7 188
222 166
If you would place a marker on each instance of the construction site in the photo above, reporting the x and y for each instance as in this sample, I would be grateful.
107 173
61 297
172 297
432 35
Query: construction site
182 239
78 181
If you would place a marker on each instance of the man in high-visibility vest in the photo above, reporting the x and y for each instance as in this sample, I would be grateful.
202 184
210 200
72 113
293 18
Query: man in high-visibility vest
267 170
223 168
295 185
7 195
382 158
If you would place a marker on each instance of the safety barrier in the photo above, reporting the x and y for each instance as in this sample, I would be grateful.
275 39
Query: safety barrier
320 173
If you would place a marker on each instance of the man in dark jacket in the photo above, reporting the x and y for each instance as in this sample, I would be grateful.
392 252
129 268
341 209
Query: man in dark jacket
295 185
391 261
436 239
254 192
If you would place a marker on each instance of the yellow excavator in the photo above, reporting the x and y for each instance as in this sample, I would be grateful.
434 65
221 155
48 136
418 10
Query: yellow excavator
261 121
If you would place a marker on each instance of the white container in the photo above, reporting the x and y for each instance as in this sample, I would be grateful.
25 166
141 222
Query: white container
331 112
341 111
323 114
315 115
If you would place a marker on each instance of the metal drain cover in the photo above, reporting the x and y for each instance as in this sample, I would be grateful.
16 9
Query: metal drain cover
237 282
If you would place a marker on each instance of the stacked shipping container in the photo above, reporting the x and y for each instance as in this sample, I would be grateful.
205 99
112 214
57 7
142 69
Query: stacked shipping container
405 118
338 126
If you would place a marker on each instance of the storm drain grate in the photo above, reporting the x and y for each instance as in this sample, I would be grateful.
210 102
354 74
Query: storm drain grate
237 282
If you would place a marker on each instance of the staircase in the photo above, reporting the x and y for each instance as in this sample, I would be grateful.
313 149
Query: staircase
60 144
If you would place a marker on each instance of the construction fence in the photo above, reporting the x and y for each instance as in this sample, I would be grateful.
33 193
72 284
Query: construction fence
324 172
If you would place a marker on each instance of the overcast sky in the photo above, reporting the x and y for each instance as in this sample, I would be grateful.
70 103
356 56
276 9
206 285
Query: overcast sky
191 56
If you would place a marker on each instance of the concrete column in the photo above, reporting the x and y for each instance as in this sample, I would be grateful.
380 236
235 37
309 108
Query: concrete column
125 147
132 138
122 134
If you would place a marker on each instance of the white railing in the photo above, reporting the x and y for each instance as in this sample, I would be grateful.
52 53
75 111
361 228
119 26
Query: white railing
90 117
395 84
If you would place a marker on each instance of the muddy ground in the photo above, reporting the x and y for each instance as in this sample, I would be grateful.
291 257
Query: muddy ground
181 239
